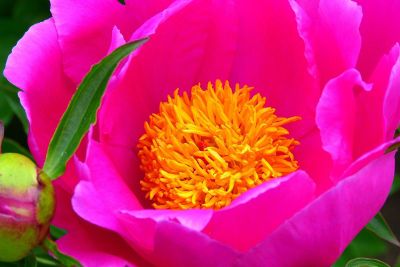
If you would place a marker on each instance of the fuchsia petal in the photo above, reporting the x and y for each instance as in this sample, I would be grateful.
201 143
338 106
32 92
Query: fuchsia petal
370 123
337 125
270 57
113 197
98 259
391 104
370 156
136 12
141 225
97 212
45 90
318 234
379 30
201 50
107 181
383 100
84 31
126 162
168 243
104 184
117 40
314 160
330 29
341 128
178 246
256 213
195 219
91 245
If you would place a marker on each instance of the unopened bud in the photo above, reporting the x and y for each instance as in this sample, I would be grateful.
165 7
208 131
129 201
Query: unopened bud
26 206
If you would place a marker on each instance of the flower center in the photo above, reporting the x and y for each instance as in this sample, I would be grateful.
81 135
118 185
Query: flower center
204 150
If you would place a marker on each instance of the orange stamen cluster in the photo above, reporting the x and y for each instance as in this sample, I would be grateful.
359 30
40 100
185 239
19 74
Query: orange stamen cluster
204 150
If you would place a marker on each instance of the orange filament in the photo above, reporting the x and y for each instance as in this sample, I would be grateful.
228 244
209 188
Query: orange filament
204 150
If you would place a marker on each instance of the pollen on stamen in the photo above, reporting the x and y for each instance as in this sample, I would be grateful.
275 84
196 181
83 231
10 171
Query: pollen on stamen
204 149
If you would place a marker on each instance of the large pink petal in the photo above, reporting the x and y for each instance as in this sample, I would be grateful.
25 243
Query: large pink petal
379 31
344 111
374 123
136 12
107 181
103 183
85 31
256 213
372 155
91 245
170 243
45 90
319 233
194 43
330 29
140 227
270 57
391 104
199 41
336 117
126 162
383 99
308 153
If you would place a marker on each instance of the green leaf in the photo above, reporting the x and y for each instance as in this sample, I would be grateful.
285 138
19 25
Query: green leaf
379 227
43 258
82 109
366 262
61 257
45 262
57 232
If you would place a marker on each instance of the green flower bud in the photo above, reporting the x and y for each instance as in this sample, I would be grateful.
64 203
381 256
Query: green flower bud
26 206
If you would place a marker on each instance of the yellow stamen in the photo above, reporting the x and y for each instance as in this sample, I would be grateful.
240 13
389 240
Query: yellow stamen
204 150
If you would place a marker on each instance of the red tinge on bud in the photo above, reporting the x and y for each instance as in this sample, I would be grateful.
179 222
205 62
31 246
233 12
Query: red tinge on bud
26 206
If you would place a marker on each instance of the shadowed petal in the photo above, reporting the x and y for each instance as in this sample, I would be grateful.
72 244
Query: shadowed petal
336 117
379 31
330 29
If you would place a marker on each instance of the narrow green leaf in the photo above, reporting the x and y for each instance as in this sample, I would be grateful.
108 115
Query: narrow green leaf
61 257
44 262
379 227
43 258
366 262
82 109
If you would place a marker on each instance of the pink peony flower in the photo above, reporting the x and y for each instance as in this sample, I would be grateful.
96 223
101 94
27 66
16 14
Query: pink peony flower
334 63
